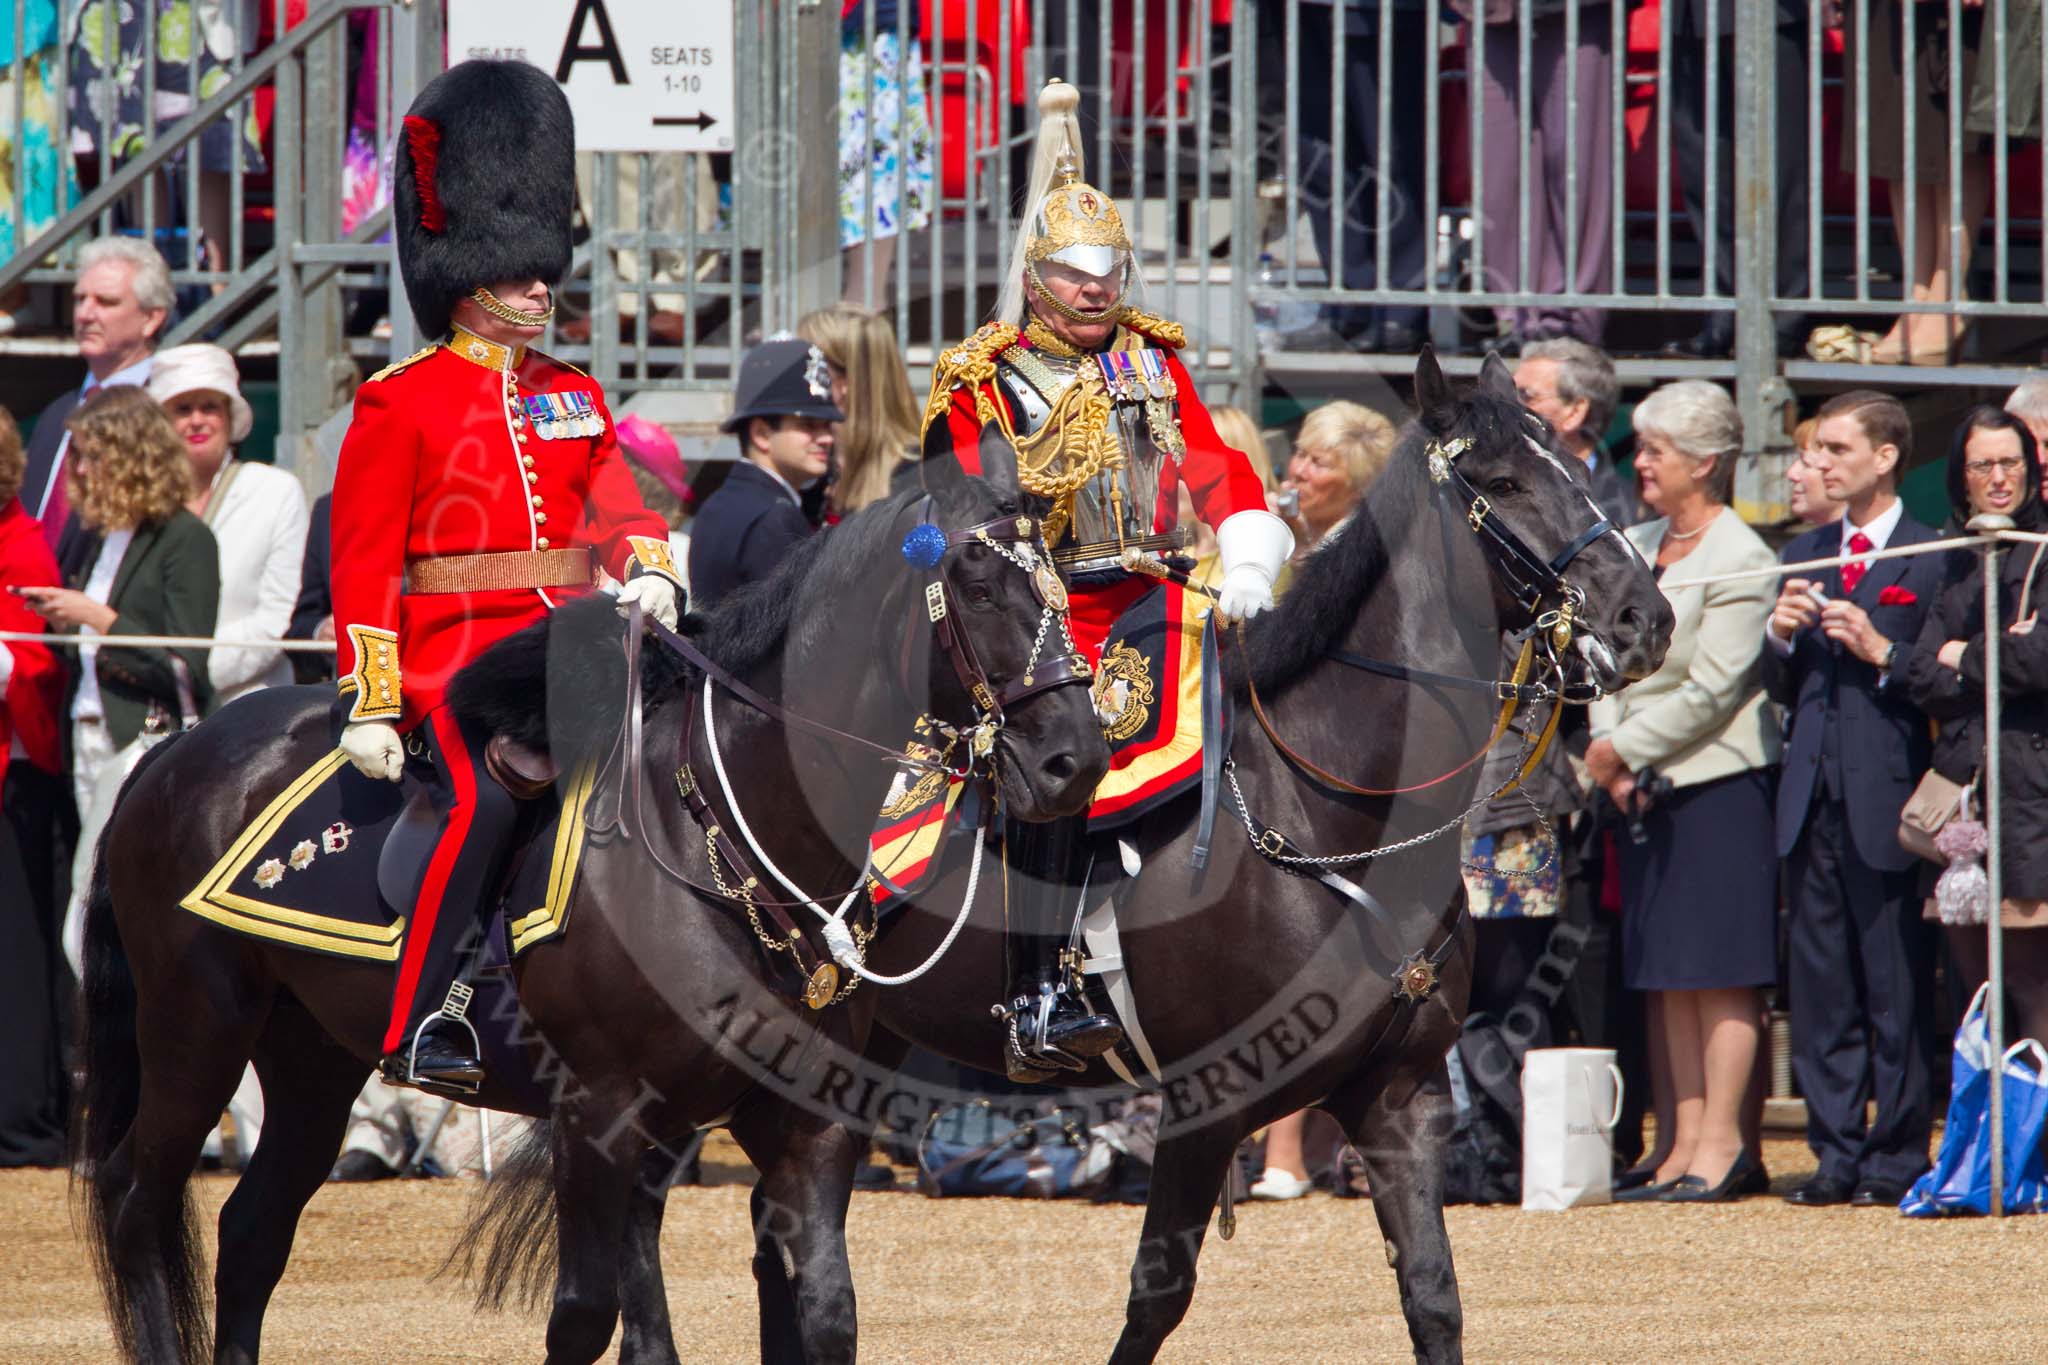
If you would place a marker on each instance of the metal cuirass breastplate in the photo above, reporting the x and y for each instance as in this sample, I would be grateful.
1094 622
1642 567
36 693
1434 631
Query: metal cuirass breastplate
1035 382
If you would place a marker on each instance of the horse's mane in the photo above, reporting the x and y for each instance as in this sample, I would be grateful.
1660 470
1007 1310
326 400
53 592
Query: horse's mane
561 682
1331 582
753 623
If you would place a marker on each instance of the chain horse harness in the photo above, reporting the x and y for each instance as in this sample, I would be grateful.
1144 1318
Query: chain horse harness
1555 606
1018 540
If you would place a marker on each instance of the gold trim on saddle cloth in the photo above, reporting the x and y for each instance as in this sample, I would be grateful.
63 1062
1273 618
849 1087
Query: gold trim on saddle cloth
1130 780
212 900
551 917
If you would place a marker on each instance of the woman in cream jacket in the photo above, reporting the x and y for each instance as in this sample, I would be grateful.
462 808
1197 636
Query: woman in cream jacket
1699 896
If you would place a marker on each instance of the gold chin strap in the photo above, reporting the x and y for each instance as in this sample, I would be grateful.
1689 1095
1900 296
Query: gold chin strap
505 312
1067 310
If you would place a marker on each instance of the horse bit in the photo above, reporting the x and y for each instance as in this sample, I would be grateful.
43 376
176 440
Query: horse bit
1016 539
1531 581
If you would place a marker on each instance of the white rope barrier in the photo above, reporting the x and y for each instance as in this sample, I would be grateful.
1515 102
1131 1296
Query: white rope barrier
1889 552
32 637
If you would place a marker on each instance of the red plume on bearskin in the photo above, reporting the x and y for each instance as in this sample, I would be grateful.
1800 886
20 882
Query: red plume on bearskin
484 185
423 140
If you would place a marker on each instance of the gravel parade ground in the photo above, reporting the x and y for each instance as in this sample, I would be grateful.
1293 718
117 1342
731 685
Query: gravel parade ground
978 1280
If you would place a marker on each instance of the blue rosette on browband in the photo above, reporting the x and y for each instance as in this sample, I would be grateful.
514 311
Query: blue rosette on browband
925 545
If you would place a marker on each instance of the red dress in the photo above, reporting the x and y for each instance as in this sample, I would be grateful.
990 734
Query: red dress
468 448
1220 480
35 689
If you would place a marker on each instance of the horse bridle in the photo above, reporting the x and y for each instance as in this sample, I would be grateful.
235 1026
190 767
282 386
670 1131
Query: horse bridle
1019 540
1016 539
1530 579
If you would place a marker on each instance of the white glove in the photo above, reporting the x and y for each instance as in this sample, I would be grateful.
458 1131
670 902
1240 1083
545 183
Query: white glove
373 746
1254 546
656 596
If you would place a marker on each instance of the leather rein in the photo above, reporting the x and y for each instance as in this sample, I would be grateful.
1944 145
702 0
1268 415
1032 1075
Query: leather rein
1532 581
1016 539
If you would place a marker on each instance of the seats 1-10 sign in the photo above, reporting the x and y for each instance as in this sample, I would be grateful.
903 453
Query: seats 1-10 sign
641 75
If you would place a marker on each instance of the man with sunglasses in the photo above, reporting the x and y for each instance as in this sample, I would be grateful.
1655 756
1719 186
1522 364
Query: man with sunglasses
1106 425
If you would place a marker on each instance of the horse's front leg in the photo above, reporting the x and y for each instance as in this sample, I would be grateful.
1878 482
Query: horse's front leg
799 1209
1401 1132
1187 1176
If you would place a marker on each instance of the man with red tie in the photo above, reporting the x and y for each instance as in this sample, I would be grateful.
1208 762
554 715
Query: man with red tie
1856 747
480 486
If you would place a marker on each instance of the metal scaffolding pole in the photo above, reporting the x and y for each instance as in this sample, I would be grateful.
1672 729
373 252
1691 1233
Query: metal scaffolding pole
1988 526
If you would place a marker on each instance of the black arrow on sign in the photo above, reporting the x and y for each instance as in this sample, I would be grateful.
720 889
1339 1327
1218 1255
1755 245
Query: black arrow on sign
700 121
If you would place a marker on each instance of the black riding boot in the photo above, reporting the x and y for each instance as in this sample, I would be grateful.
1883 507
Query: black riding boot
1051 1028
430 1043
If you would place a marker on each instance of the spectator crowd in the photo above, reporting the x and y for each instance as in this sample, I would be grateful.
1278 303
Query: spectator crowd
1723 833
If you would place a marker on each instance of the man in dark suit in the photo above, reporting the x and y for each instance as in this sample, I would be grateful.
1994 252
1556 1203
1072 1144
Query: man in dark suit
783 414
1857 747
119 306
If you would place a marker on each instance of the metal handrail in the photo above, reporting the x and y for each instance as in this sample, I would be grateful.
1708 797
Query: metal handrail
161 147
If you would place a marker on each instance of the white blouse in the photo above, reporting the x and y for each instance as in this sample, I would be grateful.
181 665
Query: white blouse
260 526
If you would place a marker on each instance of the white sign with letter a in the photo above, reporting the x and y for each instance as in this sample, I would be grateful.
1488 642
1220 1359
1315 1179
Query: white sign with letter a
641 75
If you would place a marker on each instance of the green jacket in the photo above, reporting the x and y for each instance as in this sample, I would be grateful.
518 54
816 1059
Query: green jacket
168 584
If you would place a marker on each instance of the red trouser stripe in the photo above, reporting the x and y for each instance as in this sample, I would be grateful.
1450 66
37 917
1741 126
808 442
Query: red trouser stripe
426 909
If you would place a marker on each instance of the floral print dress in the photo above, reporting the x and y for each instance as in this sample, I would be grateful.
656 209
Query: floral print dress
886 125
195 42
31 151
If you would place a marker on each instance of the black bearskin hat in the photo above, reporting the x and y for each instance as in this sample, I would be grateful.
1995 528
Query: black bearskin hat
484 186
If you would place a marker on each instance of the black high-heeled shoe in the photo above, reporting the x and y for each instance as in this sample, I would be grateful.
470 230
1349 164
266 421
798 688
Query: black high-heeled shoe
1634 1178
1694 1189
1648 1194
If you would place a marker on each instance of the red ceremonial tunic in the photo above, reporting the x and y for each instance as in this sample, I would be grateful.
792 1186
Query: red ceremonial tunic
444 456
1221 481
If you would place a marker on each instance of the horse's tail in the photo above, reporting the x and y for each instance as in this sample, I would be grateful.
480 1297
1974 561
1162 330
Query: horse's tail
513 1228
103 1112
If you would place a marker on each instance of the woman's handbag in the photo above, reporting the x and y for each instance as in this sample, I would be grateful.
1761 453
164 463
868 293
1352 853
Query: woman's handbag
1932 805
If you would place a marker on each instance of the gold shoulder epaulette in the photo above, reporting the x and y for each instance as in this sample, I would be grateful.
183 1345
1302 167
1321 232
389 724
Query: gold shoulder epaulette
395 366
1169 334
556 360
971 363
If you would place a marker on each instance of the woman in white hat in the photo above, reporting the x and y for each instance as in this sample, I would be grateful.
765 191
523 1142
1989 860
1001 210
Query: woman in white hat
256 513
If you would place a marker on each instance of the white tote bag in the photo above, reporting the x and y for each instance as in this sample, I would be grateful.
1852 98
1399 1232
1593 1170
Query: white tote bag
1571 1100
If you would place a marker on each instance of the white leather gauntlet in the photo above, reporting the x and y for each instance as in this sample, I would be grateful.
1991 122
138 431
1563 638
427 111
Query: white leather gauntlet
1254 546
655 594
374 747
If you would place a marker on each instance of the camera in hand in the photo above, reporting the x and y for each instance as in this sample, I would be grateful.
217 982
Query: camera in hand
1651 787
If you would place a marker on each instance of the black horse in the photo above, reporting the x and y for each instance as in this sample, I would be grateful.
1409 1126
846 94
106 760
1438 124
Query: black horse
1285 974
175 1005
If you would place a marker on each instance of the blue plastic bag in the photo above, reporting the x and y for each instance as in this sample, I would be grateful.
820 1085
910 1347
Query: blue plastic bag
1960 1180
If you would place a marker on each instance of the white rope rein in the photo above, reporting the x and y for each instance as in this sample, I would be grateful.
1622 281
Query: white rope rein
837 936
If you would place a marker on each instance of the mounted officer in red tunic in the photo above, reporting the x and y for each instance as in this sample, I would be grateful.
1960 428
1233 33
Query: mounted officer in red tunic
479 486
1106 424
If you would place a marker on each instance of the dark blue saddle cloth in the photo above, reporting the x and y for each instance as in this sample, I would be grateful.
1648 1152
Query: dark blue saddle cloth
325 865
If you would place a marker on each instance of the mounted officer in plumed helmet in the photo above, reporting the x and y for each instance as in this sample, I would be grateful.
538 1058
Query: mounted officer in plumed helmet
1107 424
479 486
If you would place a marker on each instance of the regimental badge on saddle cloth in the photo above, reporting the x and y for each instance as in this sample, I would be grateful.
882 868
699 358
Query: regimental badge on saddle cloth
560 416
914 818
1140 375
